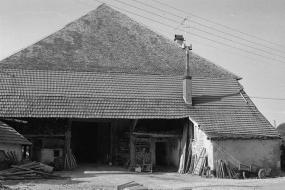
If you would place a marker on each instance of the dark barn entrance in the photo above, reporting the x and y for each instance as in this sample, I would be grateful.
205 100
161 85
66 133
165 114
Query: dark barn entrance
161 153
90 141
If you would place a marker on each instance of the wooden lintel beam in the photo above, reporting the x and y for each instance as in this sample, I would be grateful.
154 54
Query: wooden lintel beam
134 124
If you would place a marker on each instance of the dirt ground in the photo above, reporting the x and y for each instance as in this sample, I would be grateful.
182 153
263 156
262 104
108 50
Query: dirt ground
95 177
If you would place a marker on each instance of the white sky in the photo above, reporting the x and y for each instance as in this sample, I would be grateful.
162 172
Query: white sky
24 22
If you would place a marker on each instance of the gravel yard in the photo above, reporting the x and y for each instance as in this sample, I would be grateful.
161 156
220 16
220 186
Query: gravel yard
93 176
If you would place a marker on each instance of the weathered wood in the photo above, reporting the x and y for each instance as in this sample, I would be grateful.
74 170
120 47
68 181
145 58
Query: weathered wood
199 162
184 141
16 173
193 160
187 146
37 172
28 165
132 143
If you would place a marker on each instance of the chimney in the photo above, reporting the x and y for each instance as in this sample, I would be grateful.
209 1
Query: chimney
187 79
179 39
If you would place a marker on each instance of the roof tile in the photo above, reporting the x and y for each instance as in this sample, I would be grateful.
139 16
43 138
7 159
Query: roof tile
8 135
217 103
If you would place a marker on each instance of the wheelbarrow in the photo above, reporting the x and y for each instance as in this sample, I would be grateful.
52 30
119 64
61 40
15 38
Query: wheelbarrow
253 170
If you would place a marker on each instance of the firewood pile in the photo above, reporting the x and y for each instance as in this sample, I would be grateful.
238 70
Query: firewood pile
32 170
143 158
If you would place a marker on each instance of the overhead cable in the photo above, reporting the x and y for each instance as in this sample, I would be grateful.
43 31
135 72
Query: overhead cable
183 31
201 30
187 18
219 24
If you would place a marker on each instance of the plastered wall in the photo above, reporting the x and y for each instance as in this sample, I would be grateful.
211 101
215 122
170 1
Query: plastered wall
46 156
265 153
174 152
12 147
200 141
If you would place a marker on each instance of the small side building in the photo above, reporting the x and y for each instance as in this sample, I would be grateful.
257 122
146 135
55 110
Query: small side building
12 141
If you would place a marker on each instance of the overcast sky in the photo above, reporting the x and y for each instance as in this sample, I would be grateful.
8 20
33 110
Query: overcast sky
257 54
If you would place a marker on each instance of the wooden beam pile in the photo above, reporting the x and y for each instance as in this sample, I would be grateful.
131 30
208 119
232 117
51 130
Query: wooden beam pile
3 187
199 163
224 170
27 171
70 161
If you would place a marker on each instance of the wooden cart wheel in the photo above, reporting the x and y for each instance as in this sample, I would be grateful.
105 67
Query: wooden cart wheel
261 174
245 175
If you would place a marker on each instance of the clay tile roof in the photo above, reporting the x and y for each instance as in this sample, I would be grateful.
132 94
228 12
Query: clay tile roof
8 135
105 65
218 107
106 40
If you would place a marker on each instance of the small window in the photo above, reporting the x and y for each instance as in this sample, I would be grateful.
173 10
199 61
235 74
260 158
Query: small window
55 153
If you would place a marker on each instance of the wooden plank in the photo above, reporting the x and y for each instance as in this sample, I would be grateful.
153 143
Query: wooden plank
193 160
199 162
132 143
188 158
37 172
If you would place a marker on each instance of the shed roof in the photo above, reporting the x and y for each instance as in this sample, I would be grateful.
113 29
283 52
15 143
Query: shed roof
106 40
218 106
8 135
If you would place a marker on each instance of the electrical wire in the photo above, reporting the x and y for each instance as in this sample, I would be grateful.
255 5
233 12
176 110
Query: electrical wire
218 24
266 98
206 26
269 98
203 31
190 33
156 29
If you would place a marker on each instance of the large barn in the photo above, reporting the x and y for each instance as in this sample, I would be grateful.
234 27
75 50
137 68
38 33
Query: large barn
117 88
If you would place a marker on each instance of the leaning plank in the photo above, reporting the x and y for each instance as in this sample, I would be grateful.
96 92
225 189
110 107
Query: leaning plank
22 178
16 173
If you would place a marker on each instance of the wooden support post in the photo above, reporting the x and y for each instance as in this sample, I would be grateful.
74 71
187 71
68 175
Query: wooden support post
187 145
113 124
132 143
67 144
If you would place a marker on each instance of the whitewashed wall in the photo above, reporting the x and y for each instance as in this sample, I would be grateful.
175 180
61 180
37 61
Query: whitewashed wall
12 147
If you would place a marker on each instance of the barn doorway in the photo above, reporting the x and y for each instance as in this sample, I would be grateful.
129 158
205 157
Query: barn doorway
90 141
161 153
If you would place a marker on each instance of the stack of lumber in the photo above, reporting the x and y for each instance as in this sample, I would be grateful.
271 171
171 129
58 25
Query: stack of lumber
224 170
27 171
70 161
198 163
3 187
